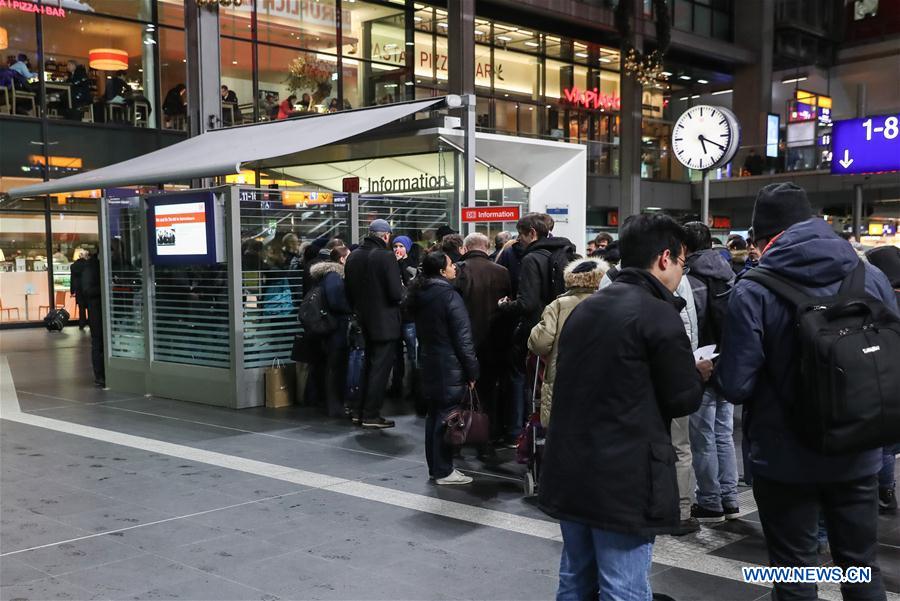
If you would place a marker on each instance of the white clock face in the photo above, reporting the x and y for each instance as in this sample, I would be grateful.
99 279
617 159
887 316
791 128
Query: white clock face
705 137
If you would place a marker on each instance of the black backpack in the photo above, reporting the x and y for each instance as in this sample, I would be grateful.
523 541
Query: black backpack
847 395
559 259
56 320
314 314
717 294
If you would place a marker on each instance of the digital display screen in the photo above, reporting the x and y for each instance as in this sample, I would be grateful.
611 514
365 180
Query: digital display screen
773 123
183 229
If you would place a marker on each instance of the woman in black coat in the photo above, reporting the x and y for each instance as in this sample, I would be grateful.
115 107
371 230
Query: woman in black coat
446 356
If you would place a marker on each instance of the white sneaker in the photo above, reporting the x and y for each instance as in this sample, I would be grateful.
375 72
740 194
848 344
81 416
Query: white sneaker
454 477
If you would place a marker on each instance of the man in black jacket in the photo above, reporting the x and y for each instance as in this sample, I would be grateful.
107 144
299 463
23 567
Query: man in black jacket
375 289
609 465
482 283
75 272
91 292
536 290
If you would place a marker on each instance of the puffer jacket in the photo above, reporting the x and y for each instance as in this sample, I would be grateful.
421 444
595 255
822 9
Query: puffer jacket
446 351
545 335
758 363
375 289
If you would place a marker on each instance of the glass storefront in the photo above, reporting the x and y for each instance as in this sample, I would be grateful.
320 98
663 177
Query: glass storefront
37 249
97 62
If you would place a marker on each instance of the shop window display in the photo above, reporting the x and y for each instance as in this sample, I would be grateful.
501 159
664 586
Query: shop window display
24 267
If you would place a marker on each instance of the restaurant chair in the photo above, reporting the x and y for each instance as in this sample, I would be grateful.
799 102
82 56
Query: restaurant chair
8 311
111 109
140 114
25 98
59 298
87 113
6 105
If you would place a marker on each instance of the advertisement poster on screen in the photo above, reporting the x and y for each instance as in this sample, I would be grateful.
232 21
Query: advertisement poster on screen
185 229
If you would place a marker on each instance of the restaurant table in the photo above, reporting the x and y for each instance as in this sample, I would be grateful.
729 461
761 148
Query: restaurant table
64 89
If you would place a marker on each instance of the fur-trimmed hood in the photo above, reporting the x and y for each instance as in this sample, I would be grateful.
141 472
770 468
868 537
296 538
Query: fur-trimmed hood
318 271
587 279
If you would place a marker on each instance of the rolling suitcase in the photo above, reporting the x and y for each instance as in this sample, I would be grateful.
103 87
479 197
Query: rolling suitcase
56 320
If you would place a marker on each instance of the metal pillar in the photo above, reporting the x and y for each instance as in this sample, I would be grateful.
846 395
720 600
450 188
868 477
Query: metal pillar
461 81
630 144
858 188
203 73
704 200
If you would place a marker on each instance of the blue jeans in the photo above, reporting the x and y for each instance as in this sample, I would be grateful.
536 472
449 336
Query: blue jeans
886 477
617 565
712 446
411 343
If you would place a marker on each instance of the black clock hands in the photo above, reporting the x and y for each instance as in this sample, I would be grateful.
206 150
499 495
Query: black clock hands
703 143
702 140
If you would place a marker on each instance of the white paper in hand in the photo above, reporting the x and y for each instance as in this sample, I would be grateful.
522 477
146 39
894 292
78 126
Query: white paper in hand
706 352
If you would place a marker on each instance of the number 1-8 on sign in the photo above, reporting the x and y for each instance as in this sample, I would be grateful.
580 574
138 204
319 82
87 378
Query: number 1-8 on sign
866 145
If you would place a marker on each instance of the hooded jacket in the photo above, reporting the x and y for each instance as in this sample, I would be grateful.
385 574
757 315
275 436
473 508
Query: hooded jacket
446 351
707 265
758 364
330 275
534 280
375 289
624 370
545 335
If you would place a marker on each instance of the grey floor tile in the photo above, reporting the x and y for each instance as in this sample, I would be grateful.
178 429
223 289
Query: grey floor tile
14 572
288 574
161 538
205 588
222 555
123 579
77 555
31 530
105 519
44 590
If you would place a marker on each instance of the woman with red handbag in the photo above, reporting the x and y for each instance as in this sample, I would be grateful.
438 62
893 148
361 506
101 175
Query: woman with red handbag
446 356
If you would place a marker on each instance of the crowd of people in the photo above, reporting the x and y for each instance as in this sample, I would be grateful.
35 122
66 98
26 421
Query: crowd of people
639 353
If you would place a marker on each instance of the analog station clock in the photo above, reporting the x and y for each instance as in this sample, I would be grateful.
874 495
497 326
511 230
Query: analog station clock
705 137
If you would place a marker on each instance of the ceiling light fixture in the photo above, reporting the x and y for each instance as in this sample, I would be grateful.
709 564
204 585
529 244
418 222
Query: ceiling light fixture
531 43
108 59
581 54
721 92
794 79
666 74
702 81
504 38
605 60
685 77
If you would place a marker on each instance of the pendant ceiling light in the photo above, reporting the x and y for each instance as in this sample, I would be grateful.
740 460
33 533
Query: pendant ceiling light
108 59
4 38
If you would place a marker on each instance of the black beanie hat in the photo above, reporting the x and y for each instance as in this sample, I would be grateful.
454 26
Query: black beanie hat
887 259
778 207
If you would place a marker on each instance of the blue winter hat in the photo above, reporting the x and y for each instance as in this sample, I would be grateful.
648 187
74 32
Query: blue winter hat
406 241
380 226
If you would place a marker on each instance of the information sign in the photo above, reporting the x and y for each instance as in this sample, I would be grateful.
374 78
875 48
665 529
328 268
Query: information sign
866 145
487 214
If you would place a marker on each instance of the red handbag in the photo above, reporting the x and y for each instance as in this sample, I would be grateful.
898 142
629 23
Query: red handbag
467 424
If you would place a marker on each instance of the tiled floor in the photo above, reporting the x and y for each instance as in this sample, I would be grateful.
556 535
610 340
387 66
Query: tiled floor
86 519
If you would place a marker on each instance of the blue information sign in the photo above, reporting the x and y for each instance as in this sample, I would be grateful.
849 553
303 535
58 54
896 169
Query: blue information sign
866 145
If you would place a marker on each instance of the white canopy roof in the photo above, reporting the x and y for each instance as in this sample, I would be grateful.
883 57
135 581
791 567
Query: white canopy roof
223 151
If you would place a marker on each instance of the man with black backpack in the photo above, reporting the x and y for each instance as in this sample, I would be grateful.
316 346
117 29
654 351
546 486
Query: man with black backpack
541 280
815 426
711 427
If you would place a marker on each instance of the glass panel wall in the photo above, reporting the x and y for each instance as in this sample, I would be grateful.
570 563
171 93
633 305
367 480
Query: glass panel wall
24 265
